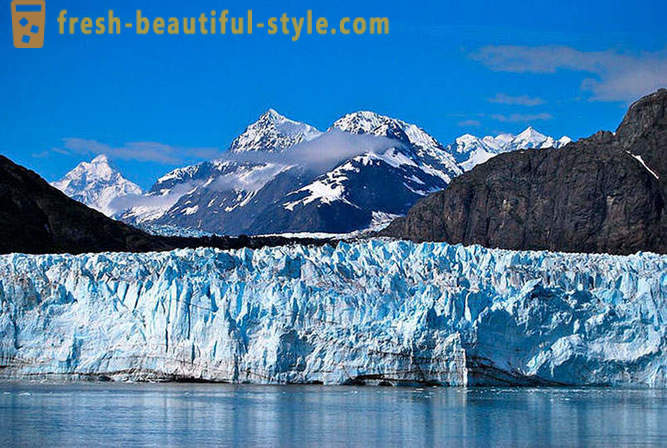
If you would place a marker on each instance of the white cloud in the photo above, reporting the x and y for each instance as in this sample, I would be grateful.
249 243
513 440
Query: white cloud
156 203
139 151
519 118
473 123
617 76
320 153
325 150
522 100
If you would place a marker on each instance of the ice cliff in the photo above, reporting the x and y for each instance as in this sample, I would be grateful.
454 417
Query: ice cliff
381 312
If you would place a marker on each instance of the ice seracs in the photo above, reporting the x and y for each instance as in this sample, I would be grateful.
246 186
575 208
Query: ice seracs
97 184
376 311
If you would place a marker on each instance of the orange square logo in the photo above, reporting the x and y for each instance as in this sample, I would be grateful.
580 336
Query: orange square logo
28 17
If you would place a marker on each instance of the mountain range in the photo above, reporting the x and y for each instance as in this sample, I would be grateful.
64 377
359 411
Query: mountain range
470 151
605 193
281 176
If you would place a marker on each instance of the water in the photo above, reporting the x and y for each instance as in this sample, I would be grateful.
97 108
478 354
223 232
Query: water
227 415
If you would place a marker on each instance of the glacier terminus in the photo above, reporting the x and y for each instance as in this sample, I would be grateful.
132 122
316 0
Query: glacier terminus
366 312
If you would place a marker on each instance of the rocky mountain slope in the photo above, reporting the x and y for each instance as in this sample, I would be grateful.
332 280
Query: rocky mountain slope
605 193
390 313
97 184
37 218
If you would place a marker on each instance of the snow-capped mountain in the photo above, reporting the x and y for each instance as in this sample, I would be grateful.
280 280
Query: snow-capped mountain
470 150
269 184
199 195
97 184
433 156
273 132
410 165
212 188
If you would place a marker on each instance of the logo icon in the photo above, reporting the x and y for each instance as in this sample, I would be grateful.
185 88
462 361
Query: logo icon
28 17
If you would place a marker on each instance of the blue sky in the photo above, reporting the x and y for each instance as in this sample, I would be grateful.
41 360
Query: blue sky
566 67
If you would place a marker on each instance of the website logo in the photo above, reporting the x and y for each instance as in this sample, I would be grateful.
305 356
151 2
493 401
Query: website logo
28 17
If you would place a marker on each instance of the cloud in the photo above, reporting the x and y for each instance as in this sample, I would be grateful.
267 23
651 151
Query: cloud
139 151
335 146
41 154
150 203
616 76
252 179
255 168
522 100
518 118
473 123
321 153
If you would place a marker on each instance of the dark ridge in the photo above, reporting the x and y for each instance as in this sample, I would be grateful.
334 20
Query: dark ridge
593 195
37 218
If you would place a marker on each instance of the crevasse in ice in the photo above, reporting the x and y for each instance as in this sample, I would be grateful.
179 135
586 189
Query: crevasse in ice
380 312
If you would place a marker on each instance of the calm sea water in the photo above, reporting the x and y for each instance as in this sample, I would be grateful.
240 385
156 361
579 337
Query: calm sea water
246 416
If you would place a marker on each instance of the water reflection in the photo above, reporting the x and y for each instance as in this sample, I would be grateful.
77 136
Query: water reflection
228 415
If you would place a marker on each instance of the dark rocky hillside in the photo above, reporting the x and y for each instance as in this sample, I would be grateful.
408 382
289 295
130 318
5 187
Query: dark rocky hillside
37 218
605 193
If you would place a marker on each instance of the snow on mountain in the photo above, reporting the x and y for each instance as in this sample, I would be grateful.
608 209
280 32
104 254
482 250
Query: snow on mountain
273 132
222 185
530 138
250 193
470 150
97 184
188 196
263 188
387 180
163 195
345 198
368 312
430 152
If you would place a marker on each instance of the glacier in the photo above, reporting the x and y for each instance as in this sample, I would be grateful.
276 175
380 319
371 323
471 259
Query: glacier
366 312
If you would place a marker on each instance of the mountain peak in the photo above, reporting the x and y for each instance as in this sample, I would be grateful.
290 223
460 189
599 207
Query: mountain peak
531 138
531 133
642 115
369 114
273 132
467 138
100 168
273 115
372 123
97 184
102 158
365 122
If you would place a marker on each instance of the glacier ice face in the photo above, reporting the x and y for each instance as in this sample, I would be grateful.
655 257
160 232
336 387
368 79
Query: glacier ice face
374 311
